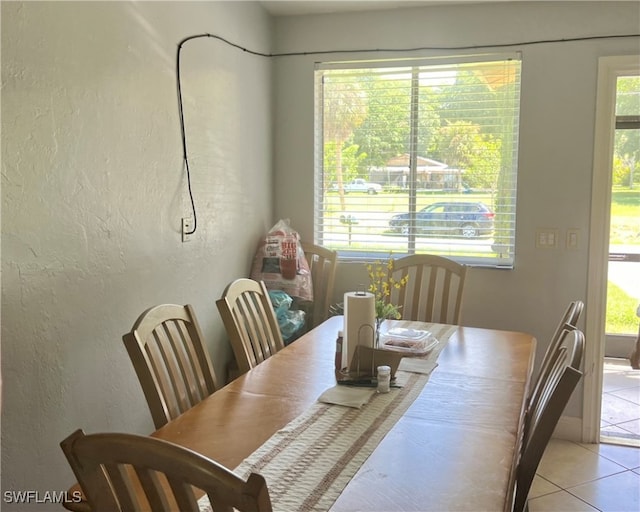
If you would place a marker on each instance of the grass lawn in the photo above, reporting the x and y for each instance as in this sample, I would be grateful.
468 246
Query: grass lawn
625 217
625 230
621 311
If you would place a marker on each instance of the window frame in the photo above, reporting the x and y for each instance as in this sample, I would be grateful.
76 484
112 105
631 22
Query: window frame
421 65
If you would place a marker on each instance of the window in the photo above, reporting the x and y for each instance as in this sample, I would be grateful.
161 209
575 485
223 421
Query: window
418 156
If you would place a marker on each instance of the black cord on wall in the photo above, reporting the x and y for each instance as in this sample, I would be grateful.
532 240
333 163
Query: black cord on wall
339 51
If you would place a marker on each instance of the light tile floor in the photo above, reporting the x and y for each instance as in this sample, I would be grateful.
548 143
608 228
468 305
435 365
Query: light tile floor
574 477
620 417
597 477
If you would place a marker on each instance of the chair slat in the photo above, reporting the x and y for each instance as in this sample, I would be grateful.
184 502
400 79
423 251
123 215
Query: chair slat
190 375
259 333
154 492
183 495
120 480
176 386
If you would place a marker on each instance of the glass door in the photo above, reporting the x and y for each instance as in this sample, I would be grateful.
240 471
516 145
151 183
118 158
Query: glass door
620 412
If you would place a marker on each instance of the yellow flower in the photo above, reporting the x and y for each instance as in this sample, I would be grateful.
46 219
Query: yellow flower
381 284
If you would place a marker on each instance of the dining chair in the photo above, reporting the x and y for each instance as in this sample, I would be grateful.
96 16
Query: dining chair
250 322
569 320
544 414
322 264
168 354
434 290
127 472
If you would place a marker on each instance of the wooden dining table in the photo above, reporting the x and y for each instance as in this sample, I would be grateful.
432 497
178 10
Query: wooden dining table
455 447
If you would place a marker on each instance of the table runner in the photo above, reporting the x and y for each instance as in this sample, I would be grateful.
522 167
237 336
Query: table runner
309 462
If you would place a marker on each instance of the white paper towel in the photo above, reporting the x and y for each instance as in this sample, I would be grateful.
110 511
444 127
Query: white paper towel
359 311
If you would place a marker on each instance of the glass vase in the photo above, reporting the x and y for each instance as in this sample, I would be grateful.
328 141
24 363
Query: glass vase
379 321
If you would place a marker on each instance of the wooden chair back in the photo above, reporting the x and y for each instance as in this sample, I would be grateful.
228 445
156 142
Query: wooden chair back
250 321
568 321
434 290
126 472
544 414
322 264
173 366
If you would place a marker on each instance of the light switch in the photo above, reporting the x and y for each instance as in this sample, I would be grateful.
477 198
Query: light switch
572 238
546 238
551 239
541 238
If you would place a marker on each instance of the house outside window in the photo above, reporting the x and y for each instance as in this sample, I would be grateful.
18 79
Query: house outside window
418 156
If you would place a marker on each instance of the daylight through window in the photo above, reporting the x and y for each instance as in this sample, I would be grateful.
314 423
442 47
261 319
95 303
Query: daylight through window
418 157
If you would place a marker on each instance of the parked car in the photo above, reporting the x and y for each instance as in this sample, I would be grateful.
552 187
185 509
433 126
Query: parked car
455 218
360 185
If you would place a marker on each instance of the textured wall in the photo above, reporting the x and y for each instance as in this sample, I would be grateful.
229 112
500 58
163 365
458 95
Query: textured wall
93 192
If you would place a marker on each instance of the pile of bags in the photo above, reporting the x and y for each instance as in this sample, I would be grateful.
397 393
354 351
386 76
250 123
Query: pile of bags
281 264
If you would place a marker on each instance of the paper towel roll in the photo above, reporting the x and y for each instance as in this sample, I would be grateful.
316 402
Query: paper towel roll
359 323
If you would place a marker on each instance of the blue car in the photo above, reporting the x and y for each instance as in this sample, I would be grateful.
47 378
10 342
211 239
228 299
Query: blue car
455 218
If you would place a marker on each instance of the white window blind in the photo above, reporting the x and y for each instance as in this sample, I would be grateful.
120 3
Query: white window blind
418 156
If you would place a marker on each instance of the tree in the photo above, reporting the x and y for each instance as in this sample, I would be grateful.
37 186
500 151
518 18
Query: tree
385 131
627 142
462 146
345 108
350 156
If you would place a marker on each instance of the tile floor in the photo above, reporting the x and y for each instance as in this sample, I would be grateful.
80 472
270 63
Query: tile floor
574 477
597 477
620 417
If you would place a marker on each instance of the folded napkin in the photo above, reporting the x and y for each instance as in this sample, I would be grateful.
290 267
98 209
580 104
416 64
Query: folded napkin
349 396
417 365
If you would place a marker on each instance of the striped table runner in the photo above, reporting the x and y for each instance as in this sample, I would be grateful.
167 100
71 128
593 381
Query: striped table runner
308 463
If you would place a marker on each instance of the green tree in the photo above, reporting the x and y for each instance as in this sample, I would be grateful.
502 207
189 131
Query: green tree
628 96
627 142
351 158
462 146
461 102
345 108
385 131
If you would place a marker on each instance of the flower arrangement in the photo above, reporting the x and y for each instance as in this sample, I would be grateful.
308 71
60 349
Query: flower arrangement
381 284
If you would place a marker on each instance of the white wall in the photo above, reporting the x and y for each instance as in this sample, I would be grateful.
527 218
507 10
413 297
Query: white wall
556 136
93 191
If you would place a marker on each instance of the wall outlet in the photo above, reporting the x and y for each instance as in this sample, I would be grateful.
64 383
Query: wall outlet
187 226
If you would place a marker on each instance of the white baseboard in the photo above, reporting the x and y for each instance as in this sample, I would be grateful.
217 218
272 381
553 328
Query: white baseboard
569 428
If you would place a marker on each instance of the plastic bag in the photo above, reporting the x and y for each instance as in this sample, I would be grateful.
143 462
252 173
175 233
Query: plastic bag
291 325
290 322
281 302
281 264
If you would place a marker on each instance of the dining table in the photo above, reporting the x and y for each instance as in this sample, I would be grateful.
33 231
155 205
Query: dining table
446 437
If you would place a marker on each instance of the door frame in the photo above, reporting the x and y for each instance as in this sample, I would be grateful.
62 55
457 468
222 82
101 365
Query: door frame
609 69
